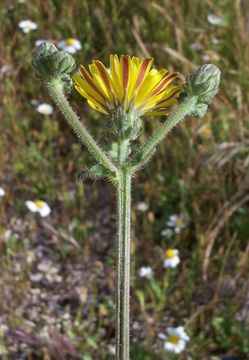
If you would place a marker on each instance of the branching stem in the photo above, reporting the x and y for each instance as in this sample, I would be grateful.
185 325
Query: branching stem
56 92
186 108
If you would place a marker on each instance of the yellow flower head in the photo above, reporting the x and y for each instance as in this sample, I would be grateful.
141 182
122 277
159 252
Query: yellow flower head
130 84
70 42
171 253
39 203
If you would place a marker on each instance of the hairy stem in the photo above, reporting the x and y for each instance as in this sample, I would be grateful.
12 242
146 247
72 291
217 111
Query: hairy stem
56 92
123 266
184 109
123 150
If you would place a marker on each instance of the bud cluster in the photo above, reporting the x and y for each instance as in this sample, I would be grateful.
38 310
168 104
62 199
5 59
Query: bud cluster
204 84
50 63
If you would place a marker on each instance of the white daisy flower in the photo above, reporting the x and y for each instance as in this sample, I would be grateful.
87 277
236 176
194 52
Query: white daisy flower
5 69
146 272
45 109
38 206
216 41
206 57
69 45
196 46
214 19
2 192
167 232
176 222
27 25
175 340
142 206
172 258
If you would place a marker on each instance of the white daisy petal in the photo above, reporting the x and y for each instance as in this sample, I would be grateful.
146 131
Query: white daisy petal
70 49
31 206
45 109
45 210
145 272
142 206
173 218
214 19
2 192
62 44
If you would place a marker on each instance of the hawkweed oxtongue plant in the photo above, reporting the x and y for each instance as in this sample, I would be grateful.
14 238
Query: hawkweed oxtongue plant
124 93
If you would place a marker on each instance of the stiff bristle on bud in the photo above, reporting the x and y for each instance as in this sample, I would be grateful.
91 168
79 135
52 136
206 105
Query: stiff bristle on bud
130 84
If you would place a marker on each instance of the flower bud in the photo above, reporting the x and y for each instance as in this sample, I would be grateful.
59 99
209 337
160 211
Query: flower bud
53 64
204 84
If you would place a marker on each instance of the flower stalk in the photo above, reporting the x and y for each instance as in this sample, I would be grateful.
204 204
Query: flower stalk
55 90
186 108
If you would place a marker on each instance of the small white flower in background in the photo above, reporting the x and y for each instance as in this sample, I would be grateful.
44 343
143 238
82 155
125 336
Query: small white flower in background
196 46
38 206
175 340
206 57
142 206
45 109
176 222
146 272
2 192
27 25
34 102
3 329
30 257
5 69
172 258
214 19
216 41
39 42
69 45
167 232
111 349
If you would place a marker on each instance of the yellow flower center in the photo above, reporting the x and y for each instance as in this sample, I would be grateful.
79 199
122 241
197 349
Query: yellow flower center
174 339
170 253
1 332
39 203
70 42
179 222
28 26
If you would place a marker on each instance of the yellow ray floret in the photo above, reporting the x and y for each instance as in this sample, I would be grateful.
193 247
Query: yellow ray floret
129 83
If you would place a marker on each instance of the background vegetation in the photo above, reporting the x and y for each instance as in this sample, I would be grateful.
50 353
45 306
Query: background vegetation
58 273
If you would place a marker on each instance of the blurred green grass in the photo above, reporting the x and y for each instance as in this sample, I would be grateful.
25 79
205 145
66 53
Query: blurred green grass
205 176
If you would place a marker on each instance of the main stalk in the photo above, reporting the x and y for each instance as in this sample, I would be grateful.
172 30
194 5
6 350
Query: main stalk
123 267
